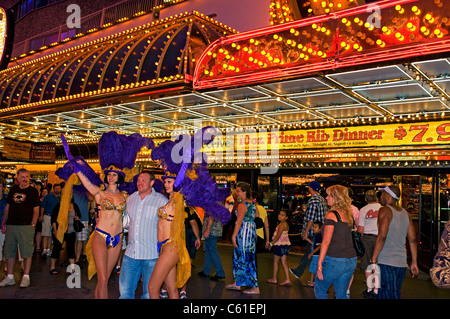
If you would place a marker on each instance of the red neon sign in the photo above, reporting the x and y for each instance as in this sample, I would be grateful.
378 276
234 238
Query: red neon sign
386 30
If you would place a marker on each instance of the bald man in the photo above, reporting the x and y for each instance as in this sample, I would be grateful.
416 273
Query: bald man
394 226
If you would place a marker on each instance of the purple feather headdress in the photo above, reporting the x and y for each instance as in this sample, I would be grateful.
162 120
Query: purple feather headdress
203 190
162 153
117 152
179 156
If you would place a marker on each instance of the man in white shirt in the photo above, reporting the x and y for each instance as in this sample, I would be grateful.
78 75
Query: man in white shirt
141 252
368 218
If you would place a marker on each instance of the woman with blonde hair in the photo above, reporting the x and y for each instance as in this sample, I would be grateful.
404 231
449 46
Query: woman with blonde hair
337 258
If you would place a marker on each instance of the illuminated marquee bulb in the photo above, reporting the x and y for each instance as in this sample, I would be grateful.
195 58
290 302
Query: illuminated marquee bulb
416 10
438 33
358 21
346 21
399 36
411 26
381 43
386 30
429 18
425 30
345 45
369 26
399 9
357 47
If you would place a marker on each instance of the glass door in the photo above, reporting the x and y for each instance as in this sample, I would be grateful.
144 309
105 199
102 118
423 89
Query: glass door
424 224
434 213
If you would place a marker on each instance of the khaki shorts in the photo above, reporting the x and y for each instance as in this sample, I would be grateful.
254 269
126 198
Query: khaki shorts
21 236
47 226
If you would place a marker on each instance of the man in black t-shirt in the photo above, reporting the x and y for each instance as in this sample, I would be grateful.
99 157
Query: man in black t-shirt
19 222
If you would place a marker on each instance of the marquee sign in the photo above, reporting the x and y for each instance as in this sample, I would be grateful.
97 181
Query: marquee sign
381 135
371 33
6 37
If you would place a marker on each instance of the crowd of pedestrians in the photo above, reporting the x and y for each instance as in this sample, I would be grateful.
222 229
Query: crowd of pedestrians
28 218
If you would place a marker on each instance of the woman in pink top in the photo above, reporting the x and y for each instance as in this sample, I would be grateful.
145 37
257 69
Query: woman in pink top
281 245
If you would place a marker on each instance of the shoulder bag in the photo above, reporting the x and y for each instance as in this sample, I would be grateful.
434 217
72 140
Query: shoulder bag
258 220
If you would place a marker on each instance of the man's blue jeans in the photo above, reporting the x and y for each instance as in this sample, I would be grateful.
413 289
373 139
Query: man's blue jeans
391 281
212 256
304 261
131 272
337 272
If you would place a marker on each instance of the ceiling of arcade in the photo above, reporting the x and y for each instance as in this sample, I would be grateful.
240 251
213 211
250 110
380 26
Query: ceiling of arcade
405 92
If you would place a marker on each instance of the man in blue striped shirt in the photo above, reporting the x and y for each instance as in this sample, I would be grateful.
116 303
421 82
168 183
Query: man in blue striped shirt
315 211
141 252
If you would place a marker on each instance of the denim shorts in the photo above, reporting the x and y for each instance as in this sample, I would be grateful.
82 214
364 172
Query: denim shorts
280 250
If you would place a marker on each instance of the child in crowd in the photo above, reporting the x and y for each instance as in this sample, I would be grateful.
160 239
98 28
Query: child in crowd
281 246
314 254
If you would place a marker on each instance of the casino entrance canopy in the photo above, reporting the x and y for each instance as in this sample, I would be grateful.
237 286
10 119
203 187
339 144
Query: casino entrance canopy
333 71
83 88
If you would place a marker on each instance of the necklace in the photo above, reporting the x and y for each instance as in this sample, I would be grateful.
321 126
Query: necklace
115 192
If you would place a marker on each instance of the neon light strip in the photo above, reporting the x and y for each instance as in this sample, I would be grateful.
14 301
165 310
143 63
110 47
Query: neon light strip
339 41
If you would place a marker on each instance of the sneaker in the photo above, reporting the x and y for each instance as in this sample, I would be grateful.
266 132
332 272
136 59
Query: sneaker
202 274
25 282
292 271
163 294
7 282
367 294
183 295
216 277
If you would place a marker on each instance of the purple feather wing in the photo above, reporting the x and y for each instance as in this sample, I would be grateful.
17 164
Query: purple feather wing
204 192
67 170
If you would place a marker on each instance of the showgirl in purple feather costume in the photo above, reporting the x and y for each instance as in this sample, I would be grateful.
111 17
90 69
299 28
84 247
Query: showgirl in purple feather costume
117 155
197 186
190 185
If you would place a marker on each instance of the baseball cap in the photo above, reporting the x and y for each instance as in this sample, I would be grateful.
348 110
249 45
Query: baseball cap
389 191
314 185
371 195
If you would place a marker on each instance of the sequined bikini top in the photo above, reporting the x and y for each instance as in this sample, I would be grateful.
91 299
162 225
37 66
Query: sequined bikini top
108 204
162 213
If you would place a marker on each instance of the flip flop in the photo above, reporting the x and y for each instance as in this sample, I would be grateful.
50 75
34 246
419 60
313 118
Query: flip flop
250 292
309 284
233 287
285 284
271 281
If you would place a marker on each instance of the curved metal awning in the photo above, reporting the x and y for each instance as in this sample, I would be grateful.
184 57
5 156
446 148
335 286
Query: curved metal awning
157 54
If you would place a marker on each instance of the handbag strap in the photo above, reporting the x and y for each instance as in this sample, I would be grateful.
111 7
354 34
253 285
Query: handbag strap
339 217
